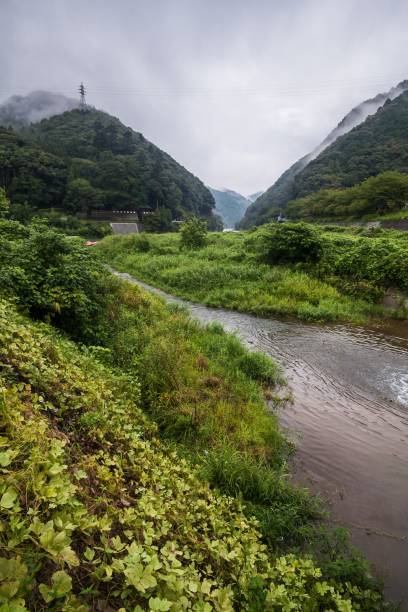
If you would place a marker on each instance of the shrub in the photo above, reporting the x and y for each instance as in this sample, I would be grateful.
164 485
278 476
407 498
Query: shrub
55 278
142 243
290 243
193 234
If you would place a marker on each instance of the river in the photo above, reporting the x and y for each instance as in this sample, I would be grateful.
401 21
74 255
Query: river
349 419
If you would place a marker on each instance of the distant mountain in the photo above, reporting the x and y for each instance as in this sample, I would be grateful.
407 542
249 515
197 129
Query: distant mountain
254 196
20 111
291 185
230 205
85 159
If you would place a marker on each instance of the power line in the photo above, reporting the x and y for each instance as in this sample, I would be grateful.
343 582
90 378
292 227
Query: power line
268 89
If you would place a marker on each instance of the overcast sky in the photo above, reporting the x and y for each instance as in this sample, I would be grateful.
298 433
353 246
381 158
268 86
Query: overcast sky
234 90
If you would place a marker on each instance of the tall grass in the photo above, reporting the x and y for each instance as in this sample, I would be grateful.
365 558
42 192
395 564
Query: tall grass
225 274
205 391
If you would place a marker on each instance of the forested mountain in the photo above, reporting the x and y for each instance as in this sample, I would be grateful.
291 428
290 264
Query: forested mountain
330 165
230 205
85 159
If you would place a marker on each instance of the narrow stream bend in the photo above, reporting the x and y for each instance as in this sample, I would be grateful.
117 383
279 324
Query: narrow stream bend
350 422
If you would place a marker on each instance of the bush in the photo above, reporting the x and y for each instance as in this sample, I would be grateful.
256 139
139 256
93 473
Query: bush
290 243
55 278
193 234
142 243
380 261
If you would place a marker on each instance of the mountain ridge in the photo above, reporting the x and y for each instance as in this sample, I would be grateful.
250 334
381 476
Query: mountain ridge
284 188
101 164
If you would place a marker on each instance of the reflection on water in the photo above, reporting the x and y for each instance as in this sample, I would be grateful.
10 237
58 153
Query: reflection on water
350 420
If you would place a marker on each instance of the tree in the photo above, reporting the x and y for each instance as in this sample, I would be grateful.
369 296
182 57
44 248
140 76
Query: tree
193 233
82 197
290 243
159 221
21 212
215 223
4 203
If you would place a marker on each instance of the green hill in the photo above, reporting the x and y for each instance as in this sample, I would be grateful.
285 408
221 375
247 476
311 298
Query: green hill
377 144
80 160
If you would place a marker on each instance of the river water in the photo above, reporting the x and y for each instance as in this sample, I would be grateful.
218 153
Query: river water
349 420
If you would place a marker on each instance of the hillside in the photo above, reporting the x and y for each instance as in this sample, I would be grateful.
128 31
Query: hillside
100 164
290 184
377 145
230 205
254 196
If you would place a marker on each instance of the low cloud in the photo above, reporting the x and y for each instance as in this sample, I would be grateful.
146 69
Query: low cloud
234 91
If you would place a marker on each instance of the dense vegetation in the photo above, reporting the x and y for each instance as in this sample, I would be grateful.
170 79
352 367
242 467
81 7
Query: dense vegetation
96 511
286 269
377 145
84 160
376 196
29 174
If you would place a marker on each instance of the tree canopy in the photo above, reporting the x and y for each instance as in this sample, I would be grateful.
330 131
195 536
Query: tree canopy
81 160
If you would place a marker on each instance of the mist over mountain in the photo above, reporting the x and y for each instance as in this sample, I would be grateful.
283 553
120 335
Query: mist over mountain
230 206
86 159
20 111
254 196
284 189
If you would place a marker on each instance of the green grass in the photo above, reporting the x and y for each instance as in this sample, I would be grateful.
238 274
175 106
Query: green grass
227 274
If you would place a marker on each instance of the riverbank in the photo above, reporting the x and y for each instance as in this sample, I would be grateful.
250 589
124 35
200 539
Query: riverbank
349 422
227 273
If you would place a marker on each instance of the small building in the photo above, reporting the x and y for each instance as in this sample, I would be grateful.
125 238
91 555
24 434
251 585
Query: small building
125 228
125 216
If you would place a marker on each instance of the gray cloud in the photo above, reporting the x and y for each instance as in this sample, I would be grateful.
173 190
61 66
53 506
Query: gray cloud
235 91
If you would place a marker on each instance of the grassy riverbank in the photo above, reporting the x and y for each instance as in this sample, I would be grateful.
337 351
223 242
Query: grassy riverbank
134 460
345 285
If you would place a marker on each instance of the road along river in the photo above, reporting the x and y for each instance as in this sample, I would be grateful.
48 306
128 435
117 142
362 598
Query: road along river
349 419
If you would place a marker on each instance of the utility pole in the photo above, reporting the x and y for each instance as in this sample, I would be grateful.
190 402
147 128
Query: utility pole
82 101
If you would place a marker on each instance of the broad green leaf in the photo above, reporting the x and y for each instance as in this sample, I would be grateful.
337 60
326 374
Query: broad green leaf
159 604
8 498
6 457
61 583
89 554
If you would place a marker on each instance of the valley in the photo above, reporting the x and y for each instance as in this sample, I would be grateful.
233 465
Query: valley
224 444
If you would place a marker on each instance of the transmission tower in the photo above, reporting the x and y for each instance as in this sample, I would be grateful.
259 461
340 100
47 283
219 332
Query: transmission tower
82 91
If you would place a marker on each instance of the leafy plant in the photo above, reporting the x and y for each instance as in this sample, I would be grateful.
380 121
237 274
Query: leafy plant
99 510
290 243
193 234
